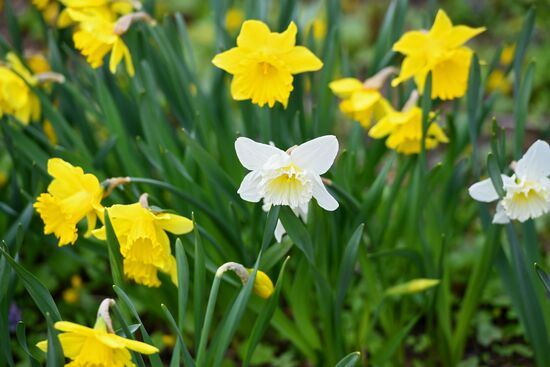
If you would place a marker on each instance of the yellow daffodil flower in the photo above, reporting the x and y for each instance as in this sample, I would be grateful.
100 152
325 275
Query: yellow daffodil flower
16 97
144 244
71 196
98 347
106 9
361 101
441 51
263 63
404 131
95 37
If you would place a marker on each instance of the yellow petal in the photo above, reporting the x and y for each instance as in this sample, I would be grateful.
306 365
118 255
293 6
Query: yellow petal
364 99
442 24
344 87
137 346
411 42
116 55
100 233
381 129
263 286
91 218
174 223
229 60
300 60
253 34
128 62
43 345
73 328
461 34
412 65
283 42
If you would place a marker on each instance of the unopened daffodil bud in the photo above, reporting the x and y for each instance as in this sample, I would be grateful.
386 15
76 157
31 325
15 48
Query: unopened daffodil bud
413 286
263 286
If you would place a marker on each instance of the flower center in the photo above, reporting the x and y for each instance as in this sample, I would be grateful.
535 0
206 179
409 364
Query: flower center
265 67
287 185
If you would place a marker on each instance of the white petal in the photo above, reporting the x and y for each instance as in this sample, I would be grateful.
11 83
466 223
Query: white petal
500 216
279 231
249 187
535 163
316 155
254 155
483 191
302 211
320 193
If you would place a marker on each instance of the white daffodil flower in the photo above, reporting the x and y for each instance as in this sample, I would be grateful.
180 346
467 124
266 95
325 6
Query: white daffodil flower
527 191
289 178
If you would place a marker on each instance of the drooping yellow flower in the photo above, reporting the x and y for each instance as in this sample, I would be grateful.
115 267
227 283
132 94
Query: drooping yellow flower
404 131
71 196
72 294
441 51
16 97
144 244
97 347
263 63
95 37
106 9
361 101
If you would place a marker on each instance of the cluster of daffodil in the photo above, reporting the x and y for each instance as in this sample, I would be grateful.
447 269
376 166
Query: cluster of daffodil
99 27
439 51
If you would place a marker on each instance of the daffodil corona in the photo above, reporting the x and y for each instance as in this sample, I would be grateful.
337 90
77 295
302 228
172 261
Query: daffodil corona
144 244
71 196
289 178
440 50
263 63
527 191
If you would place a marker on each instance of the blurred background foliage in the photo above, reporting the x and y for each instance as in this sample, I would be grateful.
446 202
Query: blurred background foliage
173 126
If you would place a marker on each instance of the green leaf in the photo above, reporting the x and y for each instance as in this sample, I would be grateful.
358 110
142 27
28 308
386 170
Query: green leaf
544 277
115 258
346 269
183 282
38 292
297 232
494 173
154 359
199 283
390 345
188 360
55 356
265 316
22 339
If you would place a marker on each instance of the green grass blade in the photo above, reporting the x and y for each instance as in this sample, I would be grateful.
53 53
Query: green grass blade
350 360
38 292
